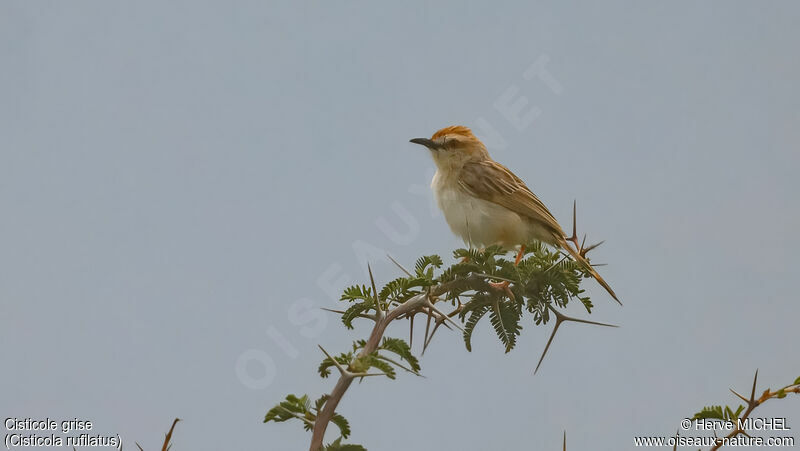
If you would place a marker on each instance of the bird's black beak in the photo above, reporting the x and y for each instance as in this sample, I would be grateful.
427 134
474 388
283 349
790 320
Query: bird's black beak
430 144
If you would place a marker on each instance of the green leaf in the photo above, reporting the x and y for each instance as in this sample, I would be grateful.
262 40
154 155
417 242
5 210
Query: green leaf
358 344
320 402
459 270
342 423
298 404
492 251
719 413
586 303
796 381
373 361
278 414
325 367
505 320
401 348
292 407
710 412
395 289
337 445
422 264
543 279
469 326
401 289
353 311
356 293
478 300
469 255
348 447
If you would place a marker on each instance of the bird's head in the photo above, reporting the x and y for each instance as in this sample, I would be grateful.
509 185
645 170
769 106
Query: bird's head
453 146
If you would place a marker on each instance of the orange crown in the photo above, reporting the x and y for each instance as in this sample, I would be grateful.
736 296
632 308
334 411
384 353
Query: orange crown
454 130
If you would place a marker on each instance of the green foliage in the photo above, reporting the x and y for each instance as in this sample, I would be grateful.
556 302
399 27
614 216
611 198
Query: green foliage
401 289
357 293
294 407
505 320
384 363
544 280
402 349
719 413
364 302
337 445
354 311
425 266
551 278
325 367
288 409
476 313
342 424
372 360
730 415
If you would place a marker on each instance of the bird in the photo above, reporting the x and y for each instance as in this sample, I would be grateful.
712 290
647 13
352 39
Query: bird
486 204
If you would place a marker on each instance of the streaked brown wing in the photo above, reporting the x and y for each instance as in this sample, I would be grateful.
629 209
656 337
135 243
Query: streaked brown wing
493 182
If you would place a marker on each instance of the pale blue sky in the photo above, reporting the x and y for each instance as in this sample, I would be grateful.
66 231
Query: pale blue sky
180 181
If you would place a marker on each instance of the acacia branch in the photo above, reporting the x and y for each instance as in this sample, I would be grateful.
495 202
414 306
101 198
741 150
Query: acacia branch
561 318
346 378
752 403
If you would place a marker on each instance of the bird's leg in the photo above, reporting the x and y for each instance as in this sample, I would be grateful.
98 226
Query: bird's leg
519 254
499 285
504 287
466 259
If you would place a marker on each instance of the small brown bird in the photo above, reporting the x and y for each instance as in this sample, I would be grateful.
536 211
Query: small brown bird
485 203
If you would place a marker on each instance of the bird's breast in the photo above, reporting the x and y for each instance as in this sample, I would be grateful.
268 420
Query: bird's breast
478 222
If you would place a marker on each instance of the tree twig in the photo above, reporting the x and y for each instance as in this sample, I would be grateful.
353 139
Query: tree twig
752 403
346 378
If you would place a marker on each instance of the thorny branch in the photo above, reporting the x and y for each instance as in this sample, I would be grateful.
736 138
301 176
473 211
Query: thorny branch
422 303
412 306
167 438
560 318
574 237
752 402
386 311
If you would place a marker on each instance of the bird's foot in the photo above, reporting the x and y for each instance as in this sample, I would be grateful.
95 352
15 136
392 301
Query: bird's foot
504 287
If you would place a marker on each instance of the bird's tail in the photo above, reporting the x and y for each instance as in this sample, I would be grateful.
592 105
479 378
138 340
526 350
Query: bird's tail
582 260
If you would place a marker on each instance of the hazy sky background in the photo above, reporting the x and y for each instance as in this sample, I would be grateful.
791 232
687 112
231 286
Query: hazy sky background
181 181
